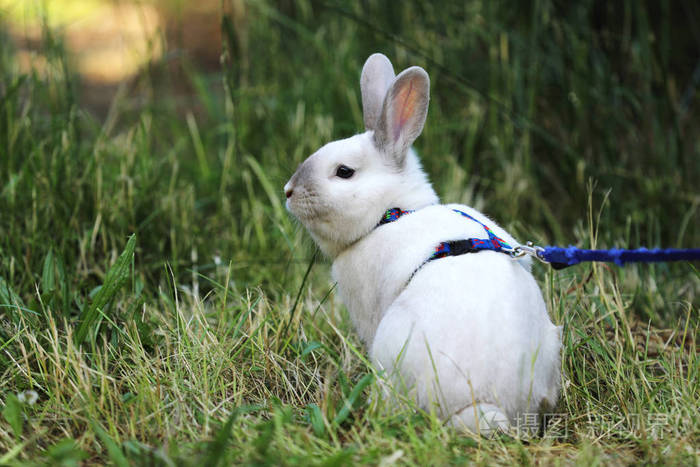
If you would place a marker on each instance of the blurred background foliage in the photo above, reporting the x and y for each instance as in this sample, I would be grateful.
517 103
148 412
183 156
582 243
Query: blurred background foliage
181 121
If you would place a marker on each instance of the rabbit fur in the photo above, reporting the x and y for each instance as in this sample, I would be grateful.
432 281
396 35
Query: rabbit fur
467 336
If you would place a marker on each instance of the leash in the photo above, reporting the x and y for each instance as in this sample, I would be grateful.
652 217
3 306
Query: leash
560 258
557 257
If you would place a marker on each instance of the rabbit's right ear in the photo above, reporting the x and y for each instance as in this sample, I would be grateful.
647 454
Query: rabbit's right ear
377 76
403 114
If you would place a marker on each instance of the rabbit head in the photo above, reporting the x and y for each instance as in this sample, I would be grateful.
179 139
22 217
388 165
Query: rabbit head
340 192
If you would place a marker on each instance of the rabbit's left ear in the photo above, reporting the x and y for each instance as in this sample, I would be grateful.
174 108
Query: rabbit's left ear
403 113
377 76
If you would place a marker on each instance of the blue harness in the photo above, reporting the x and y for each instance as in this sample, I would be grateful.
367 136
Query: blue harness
457 247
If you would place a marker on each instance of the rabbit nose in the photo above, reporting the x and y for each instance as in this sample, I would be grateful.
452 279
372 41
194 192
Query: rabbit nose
289 192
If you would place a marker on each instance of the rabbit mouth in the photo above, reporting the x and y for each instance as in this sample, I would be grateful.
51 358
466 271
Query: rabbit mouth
307 207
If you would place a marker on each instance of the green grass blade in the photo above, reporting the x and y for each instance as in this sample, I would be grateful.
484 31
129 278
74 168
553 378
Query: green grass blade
13 452
8 295
115 279
66 452
48 279
316 419
218 446
365 381
113 450
8 341
300 291
13 414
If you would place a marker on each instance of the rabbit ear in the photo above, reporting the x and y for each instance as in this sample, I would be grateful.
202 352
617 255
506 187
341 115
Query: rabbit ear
403 113
377 75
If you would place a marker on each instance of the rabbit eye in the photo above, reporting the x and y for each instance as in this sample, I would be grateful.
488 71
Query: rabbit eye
344 171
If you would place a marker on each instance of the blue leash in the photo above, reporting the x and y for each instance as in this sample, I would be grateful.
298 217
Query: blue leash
560 258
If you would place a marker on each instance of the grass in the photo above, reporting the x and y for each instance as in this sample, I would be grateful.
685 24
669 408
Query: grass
213 335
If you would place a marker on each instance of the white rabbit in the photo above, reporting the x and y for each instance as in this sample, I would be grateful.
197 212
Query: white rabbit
468 335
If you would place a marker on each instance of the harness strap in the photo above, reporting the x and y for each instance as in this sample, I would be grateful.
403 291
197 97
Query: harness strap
456 247
494 242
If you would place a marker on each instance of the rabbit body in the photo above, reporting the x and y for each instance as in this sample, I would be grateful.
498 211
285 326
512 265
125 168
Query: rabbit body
464 330
467 336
